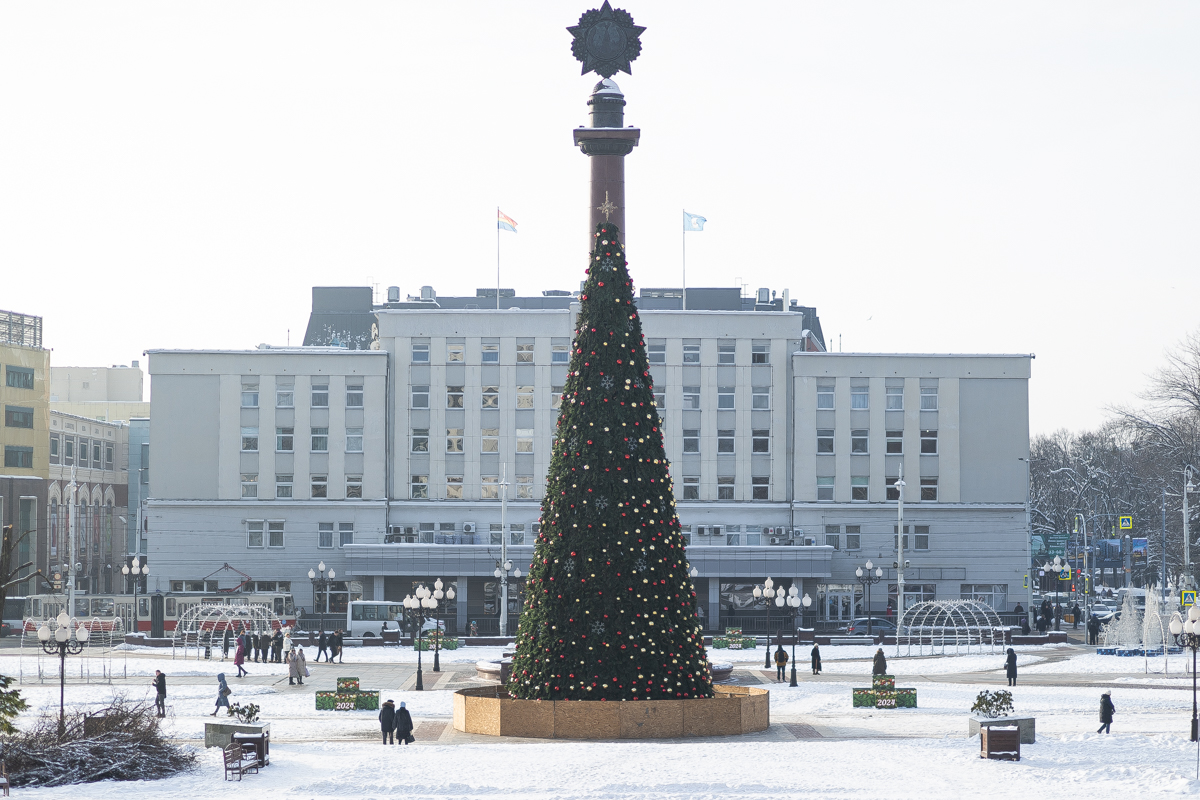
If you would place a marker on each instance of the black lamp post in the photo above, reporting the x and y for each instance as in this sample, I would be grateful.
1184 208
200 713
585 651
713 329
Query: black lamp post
501 573
1057 566
63 643
1187 634
421 609
869 578
767 590
793 602
322 581
438 594
135 569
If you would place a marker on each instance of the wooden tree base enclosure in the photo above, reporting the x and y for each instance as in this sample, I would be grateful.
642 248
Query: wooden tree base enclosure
734 710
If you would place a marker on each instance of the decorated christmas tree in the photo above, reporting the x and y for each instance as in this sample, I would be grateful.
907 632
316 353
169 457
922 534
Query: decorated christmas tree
610 610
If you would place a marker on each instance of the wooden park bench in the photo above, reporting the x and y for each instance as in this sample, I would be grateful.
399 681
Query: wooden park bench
239 761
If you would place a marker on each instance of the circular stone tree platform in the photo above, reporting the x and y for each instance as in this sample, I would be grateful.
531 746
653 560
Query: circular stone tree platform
733 710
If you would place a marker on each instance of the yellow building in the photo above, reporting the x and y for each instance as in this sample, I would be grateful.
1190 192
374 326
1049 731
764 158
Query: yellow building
25 396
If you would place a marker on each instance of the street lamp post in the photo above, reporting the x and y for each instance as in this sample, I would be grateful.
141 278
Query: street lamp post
1187 634
1188 487
421 608
1056 566
794 603
501 573
767 590
63 644
135 570
322 581
438 594
869 578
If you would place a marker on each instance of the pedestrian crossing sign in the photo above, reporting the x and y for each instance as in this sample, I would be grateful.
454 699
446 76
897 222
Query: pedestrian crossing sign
1187 598
1126 523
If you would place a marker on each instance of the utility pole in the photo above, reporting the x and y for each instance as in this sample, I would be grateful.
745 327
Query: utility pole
504 550
900 557
1164 552
71 528
1187 539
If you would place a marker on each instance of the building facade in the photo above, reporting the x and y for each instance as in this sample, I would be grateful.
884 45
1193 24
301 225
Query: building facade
112 394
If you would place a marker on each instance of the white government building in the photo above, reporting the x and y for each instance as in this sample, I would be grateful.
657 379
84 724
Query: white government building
387 461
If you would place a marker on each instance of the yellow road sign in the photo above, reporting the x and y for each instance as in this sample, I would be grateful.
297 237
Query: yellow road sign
1126 523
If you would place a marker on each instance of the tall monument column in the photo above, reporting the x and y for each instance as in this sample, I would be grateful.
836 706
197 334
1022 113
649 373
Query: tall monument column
606 41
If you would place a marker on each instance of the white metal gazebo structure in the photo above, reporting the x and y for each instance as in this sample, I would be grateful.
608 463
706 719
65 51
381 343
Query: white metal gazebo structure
936 627
93 665
201 629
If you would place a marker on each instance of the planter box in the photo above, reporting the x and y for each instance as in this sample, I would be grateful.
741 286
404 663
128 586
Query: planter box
1024 724
1000 742
220 734
906 698
863 698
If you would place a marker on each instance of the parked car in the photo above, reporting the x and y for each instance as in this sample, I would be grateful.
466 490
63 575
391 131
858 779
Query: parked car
8 629
858 627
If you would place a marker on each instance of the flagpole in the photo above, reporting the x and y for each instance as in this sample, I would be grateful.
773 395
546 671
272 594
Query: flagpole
684 259
497 258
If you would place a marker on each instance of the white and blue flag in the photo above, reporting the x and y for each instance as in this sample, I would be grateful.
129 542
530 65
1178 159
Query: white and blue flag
693 222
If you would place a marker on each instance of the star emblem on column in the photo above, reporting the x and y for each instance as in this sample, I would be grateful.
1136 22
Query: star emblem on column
607 207
606 40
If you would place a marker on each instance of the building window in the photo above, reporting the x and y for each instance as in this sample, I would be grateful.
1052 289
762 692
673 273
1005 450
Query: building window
929 490
725 352
895 443
525 354
345 533
454 440
524 440
54 449
560 354
249 397
419 487
495 533
991 594
490 353
825 488
725 441
18 377
354 440
454 353
489 440
725 397
354 395
895 398
824 440
761 440
858 442
420 397
254 534
858 487
420 353
929 443
95 453
691 352
761 488
929 398
320 486
454 397
760 354
69 450
516 533
84 445
760 398
833 540
657 353
893 491
556 393
249 440
691 440
859 399
354 487
491 397
18 417
853 534
691 487
454 487
725 488
921 537
320 440
420 440
524 397
825 397
524 487
285 398
320 395
896 538
691 398
274 534
108 455
283 486
490 489
325 534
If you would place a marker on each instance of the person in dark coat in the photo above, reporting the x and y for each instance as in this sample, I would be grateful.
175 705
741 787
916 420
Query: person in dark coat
1025 625
387 721
404 724
816 659
879 665
1107 709
255 645
160 693
781 659
1075 612
222 694
277 647
322 645
226 639
1010 667
1018 609
1041 623
335 650
1093 629
239 658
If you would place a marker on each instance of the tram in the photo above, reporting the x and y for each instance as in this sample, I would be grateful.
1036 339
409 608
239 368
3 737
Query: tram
108 608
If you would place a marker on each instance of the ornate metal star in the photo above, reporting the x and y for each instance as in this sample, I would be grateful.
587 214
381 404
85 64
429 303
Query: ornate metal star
606 41
607 207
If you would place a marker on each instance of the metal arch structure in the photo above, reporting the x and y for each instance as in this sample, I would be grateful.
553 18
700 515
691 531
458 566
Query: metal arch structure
94 664
935 627
202 627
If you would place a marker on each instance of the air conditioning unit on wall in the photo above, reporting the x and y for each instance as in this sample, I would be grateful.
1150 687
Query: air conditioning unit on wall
468 527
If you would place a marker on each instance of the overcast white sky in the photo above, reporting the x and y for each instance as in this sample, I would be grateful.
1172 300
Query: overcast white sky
933 177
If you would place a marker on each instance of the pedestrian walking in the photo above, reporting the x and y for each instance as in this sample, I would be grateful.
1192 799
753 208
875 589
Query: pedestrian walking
781 659
297 670
336 649
222 694
322 645
1041 623
879 665
816 659
387 721
1093 629
239 658
1107 709
1075 612
404 725
226 639
1010 667
277 647
287 639
160 692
